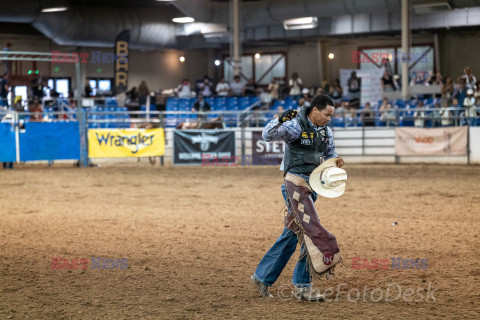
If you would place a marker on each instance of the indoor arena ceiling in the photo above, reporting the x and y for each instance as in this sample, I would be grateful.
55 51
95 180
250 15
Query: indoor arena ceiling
97 22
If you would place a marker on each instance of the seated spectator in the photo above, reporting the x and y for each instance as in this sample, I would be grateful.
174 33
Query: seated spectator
183 89
88 91
306 94
205 88
36 109
341 110
143 93
319 90
237 86
336 91
367 116
469 105
419 115
354 88
280 110
223 88
4 90
437 115
387 82
295 85
303 103
387 114
250 88
445 115
470 80
201 106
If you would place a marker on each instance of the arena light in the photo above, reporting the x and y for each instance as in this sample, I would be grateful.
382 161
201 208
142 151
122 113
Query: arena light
182 59
183 20
257 56
217 62
331 56
54 9
300 23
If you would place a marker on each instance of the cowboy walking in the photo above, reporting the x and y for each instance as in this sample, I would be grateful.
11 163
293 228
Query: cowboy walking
311 167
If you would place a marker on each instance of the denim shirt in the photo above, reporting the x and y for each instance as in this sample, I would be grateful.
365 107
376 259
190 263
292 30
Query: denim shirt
290 131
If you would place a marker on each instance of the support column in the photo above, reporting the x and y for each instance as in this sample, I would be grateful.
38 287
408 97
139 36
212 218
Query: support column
81 116
237 15
320 64
405 47
436 52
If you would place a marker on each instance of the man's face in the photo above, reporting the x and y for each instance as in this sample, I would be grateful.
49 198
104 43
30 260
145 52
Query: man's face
320 118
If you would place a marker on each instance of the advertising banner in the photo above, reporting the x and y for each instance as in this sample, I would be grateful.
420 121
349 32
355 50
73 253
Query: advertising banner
204 147
433 141
116 143
120 71
266 153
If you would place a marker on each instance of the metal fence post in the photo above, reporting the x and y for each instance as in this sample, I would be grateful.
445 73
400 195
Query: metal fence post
242 135
83 129
468 142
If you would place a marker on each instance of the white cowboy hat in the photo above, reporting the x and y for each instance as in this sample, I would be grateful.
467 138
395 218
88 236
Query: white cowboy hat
328 180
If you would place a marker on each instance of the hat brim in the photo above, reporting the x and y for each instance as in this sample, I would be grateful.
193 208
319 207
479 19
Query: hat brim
317 186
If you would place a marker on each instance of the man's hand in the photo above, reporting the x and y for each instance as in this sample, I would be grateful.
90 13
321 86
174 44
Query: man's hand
340 162
287 115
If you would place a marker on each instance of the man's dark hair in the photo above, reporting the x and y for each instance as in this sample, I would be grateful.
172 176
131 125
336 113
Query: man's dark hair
321 102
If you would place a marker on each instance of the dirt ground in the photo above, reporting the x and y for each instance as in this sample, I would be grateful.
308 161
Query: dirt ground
194 236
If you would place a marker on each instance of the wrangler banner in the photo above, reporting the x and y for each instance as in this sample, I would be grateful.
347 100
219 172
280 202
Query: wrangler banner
433 141
111 143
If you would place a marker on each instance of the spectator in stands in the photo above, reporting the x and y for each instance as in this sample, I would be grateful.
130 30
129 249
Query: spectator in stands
319 90
88 91
201 106
367 116
469 105
336 91
223 88
272 89
387 113
341 110
470 80
295 85
205 88
4 90
7 48
461 92
143 93
36 110
437 115
183 89
306 94
445 115
132 94
354 88
237 86
325 86
434 79
302 102
37 87
447 91
419 115
250 88
280 110
387 82
160 101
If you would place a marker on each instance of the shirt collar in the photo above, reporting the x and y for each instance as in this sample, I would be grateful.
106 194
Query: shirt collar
314 126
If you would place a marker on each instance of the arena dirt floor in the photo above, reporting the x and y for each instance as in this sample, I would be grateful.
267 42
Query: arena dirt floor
193 237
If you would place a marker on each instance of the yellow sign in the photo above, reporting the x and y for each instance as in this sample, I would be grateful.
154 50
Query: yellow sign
111 143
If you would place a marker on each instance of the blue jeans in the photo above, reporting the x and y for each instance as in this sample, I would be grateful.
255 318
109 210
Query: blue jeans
277 256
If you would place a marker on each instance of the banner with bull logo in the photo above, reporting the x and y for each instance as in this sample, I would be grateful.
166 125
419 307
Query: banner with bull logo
266 153
204 147
118 143
432 141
